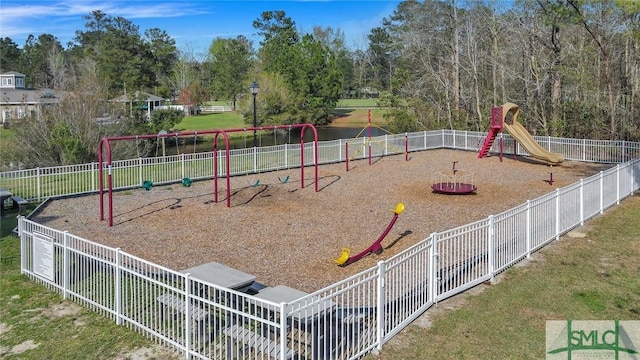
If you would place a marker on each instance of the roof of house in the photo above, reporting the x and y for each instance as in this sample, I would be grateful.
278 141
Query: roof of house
138 95
30 96
14 73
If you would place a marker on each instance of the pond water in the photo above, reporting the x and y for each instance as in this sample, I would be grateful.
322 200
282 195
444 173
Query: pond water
268 138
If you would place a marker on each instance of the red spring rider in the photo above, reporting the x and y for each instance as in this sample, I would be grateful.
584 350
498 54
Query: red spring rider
345 259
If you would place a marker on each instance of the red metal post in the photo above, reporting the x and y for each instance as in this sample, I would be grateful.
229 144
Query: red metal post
369 133
315 152
302 159
406 147
100 181
346 155
228 155
215 169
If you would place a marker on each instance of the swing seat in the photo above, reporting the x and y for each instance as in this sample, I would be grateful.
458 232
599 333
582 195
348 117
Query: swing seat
284 180
256 184
186 182
147 185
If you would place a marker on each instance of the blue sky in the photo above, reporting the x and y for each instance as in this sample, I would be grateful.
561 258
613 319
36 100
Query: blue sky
192 23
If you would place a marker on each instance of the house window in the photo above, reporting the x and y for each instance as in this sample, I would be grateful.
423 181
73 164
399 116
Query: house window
22 113
19 82
7 82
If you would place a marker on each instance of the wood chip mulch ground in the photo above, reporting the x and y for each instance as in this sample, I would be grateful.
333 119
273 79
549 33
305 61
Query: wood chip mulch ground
286 235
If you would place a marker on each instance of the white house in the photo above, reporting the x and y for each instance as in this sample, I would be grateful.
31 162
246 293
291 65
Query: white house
17 102
148 102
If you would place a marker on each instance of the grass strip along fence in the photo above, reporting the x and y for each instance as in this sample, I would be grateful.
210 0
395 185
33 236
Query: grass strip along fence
345 320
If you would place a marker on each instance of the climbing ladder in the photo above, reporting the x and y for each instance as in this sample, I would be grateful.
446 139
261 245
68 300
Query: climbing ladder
496 127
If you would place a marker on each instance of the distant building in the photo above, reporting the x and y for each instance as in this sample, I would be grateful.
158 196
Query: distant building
369 92
17 102
141 100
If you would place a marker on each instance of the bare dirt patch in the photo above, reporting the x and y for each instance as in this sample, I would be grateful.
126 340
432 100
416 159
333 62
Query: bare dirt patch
66 308
358 117
19 349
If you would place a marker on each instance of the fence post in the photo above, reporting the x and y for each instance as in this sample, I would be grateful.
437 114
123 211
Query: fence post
528 227
581 202
490 246
182 172
432 279
140 171
618 184
22 236
94 186
283 329
453 143
584 149
601 192
286 155
386 145
65 265
118 290
466 139
380 313
424 140
557 214
187 312
38 184
255 160
634 165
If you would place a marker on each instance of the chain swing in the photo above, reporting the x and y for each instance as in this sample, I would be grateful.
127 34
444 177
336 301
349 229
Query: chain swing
157 144
186 181
286 178
244 146
146 184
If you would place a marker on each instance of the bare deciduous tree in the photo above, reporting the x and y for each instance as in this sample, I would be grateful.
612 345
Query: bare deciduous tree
69 132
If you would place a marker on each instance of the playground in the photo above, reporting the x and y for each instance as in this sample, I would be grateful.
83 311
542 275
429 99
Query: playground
285 234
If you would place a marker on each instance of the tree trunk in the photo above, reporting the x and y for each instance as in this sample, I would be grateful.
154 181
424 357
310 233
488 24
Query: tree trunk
455 56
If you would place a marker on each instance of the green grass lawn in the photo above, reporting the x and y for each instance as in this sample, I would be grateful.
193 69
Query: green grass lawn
227 120
223 120
595 277
355 116
347 103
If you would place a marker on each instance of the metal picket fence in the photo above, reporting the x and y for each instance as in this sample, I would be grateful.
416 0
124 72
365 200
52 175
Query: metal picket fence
342 321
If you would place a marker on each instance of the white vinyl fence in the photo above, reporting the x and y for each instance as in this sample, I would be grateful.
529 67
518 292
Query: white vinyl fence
345 320
36 185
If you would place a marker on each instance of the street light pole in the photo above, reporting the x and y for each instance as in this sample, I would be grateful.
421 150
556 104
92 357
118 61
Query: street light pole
254 90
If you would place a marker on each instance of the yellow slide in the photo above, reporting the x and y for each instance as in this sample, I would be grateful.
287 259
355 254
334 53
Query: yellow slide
521 135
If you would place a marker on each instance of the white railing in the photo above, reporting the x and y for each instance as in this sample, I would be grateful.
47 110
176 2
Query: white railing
36 185
215 108
342 321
